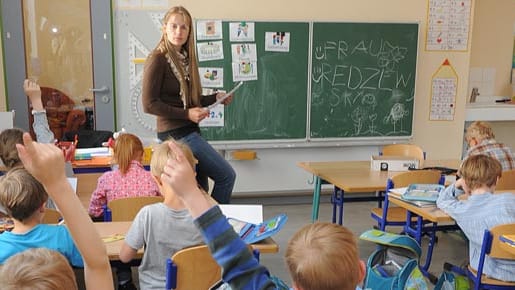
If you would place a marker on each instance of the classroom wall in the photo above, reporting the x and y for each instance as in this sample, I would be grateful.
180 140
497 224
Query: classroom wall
494 27
275 169
3 100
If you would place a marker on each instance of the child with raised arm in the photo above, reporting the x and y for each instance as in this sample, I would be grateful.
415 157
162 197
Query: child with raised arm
162 228
24 199
320 256
481 210
46 163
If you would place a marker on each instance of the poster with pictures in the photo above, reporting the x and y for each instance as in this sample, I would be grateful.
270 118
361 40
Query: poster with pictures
209 29
277 41
244 70
241 31
243 52
211 77
210 50
215 118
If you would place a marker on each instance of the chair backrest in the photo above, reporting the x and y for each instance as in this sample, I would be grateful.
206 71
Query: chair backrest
416 176
196 269
125 209
409 150
507 180
496 251
51 216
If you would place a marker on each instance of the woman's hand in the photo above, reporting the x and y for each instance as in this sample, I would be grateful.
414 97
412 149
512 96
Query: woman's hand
197 114
227 101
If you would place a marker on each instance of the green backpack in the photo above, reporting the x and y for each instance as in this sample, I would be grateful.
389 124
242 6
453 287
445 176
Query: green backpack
394 265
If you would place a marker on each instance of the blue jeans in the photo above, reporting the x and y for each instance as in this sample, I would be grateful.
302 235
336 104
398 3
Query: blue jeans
211 164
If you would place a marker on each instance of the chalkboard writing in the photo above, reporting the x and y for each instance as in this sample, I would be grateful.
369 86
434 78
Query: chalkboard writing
362 79
275 105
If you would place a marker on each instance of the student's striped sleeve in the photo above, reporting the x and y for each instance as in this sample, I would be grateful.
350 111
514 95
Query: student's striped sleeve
240 269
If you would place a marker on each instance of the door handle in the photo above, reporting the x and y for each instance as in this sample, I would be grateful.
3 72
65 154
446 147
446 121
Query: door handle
103 89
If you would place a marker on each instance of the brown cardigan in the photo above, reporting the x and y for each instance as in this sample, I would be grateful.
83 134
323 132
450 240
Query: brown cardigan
161 95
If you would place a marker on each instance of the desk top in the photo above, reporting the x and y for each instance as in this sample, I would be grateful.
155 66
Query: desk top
356 176
432 213
508 243
109 229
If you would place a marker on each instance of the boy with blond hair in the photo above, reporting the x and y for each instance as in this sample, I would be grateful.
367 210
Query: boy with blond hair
24 199
162 228
481 140
481 210
320 256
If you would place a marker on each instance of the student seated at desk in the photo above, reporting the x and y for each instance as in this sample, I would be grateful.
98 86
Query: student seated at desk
482 210
320 256
162 228
27 270
24 200
480 138
129 180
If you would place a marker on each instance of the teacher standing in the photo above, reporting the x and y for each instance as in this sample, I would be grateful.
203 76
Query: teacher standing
172 92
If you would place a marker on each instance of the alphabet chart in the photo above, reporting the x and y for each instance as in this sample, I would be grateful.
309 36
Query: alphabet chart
448 24
443 93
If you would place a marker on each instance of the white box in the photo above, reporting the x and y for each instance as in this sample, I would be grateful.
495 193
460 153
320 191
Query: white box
393 163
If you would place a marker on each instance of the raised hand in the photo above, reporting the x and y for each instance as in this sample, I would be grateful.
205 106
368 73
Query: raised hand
44 161
33 91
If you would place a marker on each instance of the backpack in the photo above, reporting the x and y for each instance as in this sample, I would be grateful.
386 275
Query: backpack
394 265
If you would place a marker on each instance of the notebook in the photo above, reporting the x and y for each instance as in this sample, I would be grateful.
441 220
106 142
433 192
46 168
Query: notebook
400 191
423 192
252 233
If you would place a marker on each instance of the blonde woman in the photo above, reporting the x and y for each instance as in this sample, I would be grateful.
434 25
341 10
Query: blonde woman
172 92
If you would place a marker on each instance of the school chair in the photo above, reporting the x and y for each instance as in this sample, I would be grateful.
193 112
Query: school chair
491 247
408 150
396 216
194 268
507 180
51 216
125 209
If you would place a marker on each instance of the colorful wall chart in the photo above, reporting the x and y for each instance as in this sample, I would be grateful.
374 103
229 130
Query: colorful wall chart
443 93
448 24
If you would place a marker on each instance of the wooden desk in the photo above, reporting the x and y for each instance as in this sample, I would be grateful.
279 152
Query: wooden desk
432 214
353 176
106 229
508 243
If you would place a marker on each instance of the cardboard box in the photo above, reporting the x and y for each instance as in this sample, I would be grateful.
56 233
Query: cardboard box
393 163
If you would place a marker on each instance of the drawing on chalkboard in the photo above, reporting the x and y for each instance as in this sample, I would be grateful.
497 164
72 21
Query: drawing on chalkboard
364 115
397 113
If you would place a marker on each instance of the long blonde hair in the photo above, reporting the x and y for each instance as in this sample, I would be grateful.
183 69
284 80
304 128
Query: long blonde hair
192 91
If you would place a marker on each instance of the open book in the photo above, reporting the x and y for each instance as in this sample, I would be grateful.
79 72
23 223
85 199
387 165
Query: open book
423 192
399 193
252 233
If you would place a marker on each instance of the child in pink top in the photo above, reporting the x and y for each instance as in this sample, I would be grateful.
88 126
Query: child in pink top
129 180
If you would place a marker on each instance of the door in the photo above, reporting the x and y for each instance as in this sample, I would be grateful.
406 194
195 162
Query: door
66 46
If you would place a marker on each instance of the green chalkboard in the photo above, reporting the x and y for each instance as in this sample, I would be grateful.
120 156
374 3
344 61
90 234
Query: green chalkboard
362 79
275 105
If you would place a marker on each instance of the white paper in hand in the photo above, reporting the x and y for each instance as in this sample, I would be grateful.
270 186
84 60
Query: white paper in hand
219 101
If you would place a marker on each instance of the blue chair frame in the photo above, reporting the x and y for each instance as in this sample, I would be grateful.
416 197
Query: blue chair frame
486 248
